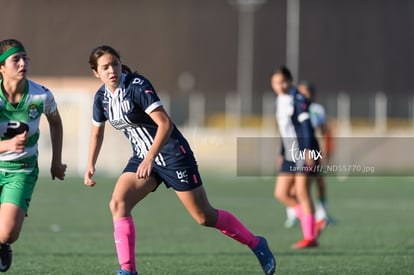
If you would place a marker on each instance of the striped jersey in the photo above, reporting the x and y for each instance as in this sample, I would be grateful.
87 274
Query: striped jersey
128 109
25 116
296 131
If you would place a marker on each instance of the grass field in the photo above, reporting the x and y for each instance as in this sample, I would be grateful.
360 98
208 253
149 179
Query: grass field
69 230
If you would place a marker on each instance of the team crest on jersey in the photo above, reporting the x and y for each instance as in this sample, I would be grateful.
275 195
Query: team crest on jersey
33 111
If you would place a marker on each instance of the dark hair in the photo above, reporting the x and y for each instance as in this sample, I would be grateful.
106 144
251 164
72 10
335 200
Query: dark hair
127 70
101 50
283 70
7 44
309 85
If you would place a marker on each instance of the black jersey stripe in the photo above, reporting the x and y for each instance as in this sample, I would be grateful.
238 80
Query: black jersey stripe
159 157
146 142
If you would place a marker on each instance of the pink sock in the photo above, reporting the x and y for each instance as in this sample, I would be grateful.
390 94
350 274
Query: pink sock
232 227
308 226
298 211
124 235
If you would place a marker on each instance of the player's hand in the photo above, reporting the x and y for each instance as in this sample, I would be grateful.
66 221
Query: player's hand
309 161
144 169
88 177
58 171
17 143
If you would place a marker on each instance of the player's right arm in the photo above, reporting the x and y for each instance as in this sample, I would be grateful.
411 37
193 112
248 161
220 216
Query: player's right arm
15 144
95 144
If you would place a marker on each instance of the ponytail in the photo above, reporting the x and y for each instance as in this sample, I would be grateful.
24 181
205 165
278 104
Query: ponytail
127 70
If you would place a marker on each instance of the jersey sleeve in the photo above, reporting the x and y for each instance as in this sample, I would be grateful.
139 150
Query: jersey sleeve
146 96
50 105
303 118
98 116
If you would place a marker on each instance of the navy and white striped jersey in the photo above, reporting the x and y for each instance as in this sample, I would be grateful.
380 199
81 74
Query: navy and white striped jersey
296 131
128 109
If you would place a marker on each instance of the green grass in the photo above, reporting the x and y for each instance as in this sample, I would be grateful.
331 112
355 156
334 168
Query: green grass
69 230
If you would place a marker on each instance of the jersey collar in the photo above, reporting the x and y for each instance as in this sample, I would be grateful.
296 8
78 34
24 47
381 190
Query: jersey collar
119 89
11 107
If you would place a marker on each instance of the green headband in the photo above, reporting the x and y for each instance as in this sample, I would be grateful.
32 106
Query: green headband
10 51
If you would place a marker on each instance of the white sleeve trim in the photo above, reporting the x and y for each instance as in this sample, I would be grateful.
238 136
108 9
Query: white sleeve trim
153 106
97 124
303 116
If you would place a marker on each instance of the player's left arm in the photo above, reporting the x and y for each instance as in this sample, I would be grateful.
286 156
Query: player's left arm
164 130
57 169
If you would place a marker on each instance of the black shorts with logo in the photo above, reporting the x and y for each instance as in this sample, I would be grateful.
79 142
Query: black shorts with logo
180 178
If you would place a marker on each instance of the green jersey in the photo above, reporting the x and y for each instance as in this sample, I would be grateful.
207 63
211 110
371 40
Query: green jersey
25 116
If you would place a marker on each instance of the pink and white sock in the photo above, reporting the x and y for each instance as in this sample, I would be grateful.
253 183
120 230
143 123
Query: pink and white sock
124 235
232 227
308 226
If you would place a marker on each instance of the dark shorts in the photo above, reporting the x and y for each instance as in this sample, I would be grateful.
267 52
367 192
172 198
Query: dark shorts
184 178
299 167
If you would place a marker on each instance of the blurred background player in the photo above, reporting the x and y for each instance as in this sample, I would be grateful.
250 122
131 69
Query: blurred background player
297 135
22 102
160 154
319 122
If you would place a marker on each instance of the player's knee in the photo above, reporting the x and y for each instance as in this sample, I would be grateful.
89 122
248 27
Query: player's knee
116 206
8 236
280 196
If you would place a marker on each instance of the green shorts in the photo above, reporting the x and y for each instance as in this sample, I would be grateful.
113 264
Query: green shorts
17 187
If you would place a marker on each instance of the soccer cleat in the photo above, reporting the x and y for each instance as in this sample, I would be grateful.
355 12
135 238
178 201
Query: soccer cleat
331 221
265 256
291 222
320 226
5 257
305 244
125 272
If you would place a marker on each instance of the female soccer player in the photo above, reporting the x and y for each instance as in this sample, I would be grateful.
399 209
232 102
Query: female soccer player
22 102
319 121
160 154
299 151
